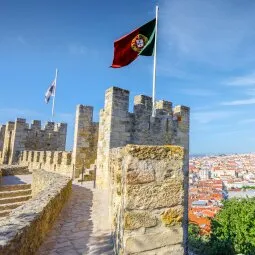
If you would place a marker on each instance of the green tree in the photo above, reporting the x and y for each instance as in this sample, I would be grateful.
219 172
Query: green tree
197 243
233 230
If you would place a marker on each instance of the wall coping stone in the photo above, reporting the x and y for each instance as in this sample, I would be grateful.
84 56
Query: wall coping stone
19 230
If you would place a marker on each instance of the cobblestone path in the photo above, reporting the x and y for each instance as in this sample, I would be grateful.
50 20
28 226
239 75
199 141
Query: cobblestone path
82 227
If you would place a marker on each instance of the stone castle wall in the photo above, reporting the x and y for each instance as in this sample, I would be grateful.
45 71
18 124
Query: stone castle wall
53 161
148 199
43 148
85 139
118 127
23 231
19 136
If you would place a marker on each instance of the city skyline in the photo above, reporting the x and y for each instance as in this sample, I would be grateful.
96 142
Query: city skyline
205 61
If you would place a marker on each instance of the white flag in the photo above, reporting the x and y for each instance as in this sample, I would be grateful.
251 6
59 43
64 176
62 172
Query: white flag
50 92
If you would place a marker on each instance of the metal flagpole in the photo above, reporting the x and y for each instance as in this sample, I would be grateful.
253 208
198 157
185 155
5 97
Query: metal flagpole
154 65
53 102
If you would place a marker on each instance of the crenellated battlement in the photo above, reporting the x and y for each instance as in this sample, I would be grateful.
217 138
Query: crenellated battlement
168 125
19 136
119 127
54 161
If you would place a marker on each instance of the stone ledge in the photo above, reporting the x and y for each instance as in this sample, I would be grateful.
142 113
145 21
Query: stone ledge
24 229
155 152
13 170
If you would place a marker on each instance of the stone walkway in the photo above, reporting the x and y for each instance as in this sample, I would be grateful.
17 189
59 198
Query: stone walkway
82 227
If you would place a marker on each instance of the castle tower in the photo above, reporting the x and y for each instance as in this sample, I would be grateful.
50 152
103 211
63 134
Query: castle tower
114 129
8 139
85 139
118 127
19 139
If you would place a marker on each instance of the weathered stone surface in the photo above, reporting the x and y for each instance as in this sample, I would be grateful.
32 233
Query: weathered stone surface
147 186
139 172
155 195
137 219
24 229
145 171
155 152
13 170
172 216
147 242
176 249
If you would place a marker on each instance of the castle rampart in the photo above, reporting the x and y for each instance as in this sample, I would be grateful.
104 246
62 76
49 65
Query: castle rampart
118 127
20 136
52 161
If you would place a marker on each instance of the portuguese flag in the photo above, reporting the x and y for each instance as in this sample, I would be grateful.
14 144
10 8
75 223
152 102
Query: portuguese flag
139 42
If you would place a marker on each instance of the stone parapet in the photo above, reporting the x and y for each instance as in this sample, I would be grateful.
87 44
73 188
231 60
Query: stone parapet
7 170
53 161
24 229
148 199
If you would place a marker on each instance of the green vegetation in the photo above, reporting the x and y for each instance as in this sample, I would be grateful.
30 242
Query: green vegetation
248 187
233 230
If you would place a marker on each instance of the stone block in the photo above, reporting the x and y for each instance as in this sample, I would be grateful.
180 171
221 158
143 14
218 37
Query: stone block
138 219
176 249
155 195
155 152
172 216
139 172
146 242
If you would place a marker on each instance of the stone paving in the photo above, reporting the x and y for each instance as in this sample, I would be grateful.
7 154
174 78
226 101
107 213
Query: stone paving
82 227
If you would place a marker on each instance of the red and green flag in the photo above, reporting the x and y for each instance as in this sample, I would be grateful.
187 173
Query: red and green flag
139 42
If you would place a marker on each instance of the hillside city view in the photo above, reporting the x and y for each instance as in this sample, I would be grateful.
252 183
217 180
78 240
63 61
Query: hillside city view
214 179
127 127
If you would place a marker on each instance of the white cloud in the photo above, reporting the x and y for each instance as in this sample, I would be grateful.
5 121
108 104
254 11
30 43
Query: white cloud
245 80
198 92
240 102
210 116
250 92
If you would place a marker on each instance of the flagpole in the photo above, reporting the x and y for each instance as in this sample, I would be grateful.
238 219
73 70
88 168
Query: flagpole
154 65
53 101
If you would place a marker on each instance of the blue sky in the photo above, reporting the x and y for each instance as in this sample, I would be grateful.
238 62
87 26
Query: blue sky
205 60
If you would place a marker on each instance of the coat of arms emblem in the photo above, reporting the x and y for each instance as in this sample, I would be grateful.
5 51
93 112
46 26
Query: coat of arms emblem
138 42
